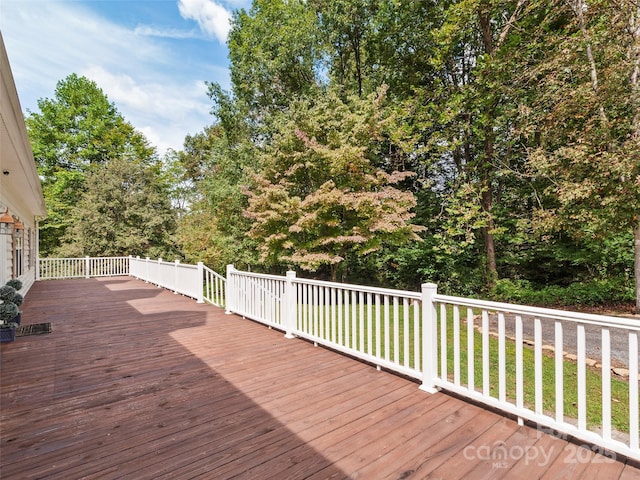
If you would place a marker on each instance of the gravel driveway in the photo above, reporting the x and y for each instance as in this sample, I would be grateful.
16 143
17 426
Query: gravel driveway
619 337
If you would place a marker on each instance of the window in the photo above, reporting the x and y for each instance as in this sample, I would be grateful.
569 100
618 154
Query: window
17 254
30 248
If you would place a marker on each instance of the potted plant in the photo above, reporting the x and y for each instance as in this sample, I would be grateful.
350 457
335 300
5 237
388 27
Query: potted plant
9 312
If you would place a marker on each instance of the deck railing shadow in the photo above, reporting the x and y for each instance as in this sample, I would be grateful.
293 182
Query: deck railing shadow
122 391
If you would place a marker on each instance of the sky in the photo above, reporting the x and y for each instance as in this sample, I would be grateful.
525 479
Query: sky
150 57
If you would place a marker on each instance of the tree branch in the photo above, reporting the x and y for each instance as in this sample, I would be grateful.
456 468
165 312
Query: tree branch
510 22
578 7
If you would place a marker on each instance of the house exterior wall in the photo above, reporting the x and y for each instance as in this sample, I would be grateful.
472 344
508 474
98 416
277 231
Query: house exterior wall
20 189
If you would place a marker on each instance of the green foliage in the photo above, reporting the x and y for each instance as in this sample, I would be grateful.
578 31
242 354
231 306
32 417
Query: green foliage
11 300
7 293
124 210
61 194
7 312
518 165
273 49
76 133
318 198
214 230
14 283
605 291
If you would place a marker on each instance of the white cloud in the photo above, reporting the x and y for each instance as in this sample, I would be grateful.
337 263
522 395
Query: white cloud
163 112
149 31
156 83
212 17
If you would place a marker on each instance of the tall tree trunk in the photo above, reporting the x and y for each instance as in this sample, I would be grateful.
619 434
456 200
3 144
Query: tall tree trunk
486 169
634 57
636 261
489 243
357 54
579 7
334 272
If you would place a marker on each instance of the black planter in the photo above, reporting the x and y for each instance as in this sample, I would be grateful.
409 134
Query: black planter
7 335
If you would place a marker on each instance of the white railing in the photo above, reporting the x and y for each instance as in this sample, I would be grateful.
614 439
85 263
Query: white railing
377 325
256 296
509 357
214 287
551 333
175 276
87 267
474 348
195 281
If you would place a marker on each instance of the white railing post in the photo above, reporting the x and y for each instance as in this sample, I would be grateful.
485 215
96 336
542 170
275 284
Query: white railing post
200 297
87 263
146 269
37 249
290 305
429 338
230 291
176 265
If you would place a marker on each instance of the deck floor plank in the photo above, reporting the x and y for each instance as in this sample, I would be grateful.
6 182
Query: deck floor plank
137 382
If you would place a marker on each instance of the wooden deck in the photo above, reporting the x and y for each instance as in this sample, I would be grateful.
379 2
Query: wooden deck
138 383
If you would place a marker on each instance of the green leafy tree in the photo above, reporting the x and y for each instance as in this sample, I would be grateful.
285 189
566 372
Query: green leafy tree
476 112
347 26
75 132
215 228
521 166
125 210
274 54
586 122
318 198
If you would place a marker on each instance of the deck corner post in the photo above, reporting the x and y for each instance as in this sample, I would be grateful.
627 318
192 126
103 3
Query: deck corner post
429 338
159 280
176 267
229 290
200 298
290 303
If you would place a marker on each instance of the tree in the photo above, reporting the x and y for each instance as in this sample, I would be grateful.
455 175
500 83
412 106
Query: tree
215 229
274 54
75 132
346 26
491 113
124 210
587 123
318 199
482 106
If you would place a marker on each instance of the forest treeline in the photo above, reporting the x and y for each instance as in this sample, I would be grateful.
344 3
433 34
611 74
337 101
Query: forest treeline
492 147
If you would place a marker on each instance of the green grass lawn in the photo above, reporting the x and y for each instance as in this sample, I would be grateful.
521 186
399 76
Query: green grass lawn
354 325
619 388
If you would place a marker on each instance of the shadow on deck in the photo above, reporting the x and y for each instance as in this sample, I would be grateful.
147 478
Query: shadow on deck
135 382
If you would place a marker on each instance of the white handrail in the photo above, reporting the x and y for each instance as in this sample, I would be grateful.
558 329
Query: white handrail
196 281
589 318
214 287
86 267
421 334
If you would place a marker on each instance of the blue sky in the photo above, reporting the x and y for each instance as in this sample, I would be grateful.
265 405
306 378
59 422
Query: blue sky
150 57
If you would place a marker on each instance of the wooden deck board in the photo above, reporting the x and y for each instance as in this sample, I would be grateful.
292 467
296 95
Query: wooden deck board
136 382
